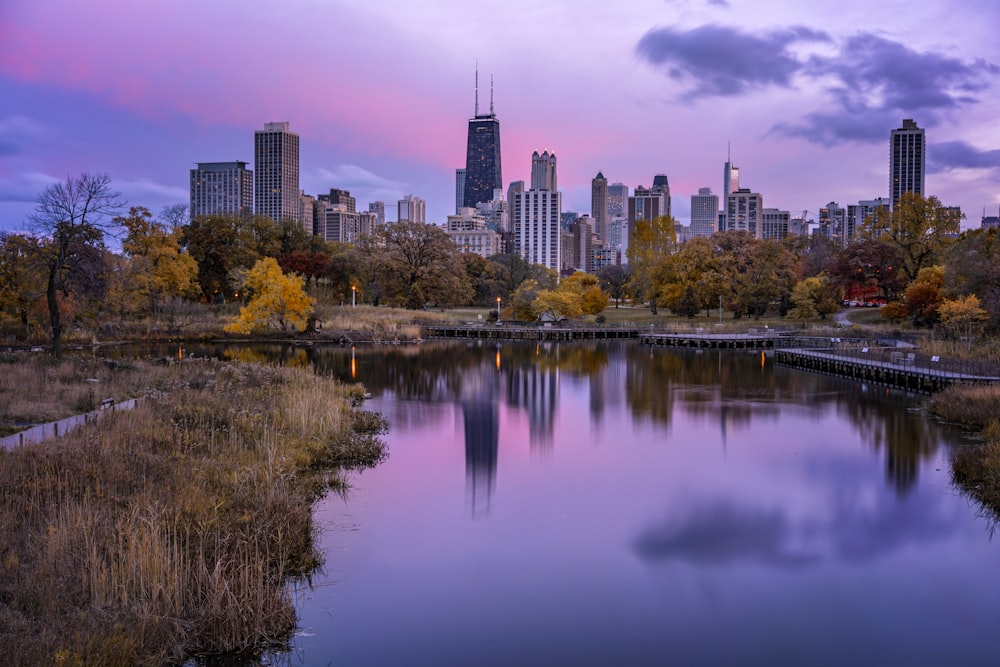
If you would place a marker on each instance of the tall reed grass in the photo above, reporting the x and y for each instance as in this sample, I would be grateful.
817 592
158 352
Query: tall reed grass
171 530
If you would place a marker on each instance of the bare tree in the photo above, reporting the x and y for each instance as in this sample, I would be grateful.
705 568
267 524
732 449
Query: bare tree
70 222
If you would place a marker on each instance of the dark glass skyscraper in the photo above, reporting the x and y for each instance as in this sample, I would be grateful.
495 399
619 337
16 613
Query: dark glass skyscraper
482 156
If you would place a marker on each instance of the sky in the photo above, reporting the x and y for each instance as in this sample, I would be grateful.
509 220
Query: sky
803 95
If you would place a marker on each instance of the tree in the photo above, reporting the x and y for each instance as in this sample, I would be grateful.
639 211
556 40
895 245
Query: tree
688 304
869 264
920 229
923 295
221 243
276 300
962 315
586 289
70 222
814 297
972 266
158 269
421 265
21 280
519 270
614 279
488 279
650 242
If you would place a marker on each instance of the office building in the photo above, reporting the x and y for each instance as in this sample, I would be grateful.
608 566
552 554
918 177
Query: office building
377 208
342 198
858 213
412 209
221 188
774 224
482 156
744 212
599 204
730 178
617 200
907 158
704 212
276 172
543 171
459 190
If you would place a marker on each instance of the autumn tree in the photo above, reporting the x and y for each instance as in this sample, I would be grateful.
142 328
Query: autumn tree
650 242
221 244
586 289
813 297
21 281
972 266
615 279
962 316
919 228
518 269
69 223
869 264
488 279
276 301
924 295
158 268
419 264
698 264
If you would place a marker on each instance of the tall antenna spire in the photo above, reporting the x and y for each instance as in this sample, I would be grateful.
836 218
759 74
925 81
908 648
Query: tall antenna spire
491 94
729 151
477 86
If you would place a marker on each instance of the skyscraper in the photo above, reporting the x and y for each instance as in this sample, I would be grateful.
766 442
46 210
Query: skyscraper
907 157
412 209
744 212
704 212
617 200
599 204
459 190
730 178
543 171
378 209
482 156
535 214
276 172
221 188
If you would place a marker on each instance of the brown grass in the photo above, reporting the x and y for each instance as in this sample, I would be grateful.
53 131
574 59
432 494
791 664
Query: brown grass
170 530
975 468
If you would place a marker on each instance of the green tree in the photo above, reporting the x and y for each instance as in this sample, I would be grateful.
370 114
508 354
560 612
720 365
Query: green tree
69 223
688 304
488 279
221 244
920 229
276 301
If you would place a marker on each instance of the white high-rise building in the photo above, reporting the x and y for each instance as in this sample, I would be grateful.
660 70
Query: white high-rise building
535 214
412 209
704 212
221 188
276 172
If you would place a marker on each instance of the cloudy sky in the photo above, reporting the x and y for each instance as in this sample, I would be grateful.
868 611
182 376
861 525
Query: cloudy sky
380 91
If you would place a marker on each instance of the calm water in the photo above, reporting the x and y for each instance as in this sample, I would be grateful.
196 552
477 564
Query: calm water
617 505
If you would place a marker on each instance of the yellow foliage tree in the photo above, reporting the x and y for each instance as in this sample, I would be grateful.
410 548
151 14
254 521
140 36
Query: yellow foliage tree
962 315
278 301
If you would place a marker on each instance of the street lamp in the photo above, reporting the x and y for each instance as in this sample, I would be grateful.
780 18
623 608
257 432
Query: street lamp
354 292
498 310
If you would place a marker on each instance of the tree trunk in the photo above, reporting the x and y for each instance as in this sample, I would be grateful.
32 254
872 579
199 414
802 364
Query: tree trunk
55 316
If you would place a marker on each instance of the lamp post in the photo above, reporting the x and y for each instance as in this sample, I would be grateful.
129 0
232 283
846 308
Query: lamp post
498 310
354 292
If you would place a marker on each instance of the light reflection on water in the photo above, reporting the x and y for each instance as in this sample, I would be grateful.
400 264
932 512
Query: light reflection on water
613 504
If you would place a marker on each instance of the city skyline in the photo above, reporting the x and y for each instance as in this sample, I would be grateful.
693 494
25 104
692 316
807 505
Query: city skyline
806 101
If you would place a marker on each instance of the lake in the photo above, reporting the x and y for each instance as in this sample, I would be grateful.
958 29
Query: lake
612 504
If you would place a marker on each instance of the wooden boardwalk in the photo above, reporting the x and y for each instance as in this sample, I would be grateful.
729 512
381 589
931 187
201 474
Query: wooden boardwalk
890 366
505 332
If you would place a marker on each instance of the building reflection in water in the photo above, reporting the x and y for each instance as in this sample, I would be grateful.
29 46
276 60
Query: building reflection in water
479 402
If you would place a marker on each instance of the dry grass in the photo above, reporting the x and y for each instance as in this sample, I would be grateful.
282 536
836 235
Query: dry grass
35 388
975 468
170 530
